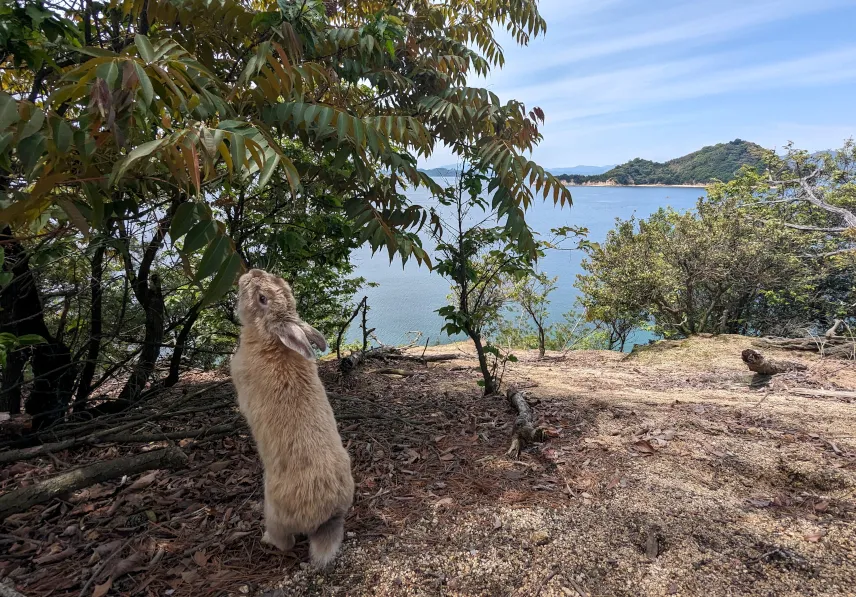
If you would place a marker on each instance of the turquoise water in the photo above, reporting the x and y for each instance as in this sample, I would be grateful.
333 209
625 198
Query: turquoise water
406 299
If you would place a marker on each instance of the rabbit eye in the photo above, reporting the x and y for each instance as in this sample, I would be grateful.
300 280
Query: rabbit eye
263 299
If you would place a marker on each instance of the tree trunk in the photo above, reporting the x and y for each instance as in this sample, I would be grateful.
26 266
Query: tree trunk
489 382
542 342
147 290
22 314
22 499
763 366
181 344
95 328
13 380
152 342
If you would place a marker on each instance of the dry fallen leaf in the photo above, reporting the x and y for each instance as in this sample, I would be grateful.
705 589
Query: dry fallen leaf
613 483
497 523
136 561
444 503
447 457
815 536
644 447
201 558
760 502
144 481
101 590
821 506
216 467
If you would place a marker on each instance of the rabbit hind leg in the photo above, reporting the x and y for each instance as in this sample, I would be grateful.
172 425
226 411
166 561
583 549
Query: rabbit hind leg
278 536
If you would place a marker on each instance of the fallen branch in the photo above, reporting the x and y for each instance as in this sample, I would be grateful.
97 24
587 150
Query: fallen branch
144 438
22 499
524 431
823 393
431 358
833 346
764 366
103 435
401 372
350 363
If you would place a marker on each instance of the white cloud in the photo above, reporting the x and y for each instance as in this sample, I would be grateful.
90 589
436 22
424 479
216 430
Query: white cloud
626 89
708 22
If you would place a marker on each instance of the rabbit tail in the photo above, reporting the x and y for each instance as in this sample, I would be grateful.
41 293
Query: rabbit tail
324 543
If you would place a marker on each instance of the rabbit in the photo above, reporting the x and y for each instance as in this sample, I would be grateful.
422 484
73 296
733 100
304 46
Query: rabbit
307 472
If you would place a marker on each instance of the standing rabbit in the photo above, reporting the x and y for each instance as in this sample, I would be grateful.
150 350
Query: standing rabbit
307 471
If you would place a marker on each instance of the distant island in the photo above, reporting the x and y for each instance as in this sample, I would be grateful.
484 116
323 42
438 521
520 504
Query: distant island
587 170
702 167
451 171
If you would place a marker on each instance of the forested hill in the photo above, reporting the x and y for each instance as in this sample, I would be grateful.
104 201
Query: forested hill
715 162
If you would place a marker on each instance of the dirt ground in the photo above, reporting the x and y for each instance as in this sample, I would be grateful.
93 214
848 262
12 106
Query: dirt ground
672 471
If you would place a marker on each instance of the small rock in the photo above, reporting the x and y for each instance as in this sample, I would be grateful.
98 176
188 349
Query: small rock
245 589
540 538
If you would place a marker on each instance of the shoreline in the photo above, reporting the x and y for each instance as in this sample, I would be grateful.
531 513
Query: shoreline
630 186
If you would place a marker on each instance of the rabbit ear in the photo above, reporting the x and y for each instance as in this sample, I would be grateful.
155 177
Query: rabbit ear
314 336
293 337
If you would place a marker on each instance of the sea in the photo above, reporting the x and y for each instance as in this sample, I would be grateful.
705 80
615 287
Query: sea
404 302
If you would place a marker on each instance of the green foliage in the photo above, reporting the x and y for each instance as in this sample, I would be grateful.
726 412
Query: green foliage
730 266
719 162
148 147
477 256
571 333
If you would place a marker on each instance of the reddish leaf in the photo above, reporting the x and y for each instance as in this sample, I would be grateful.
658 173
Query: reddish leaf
200 558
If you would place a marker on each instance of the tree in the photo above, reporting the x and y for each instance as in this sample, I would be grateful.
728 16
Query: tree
149 155
476 256
813 193
531 293
719 269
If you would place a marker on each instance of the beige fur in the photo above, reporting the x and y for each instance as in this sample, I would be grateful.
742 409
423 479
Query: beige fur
307 471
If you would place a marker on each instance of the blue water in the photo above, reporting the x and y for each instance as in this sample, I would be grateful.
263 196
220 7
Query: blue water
406 299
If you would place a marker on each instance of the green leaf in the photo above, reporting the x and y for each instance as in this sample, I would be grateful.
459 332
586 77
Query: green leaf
30 150
75 217
239 152
30 340
199 236
33 126
137 153
5 138
213 257
8 111
268 170
146 88
224 280
144 48
182 221
108 71
63 135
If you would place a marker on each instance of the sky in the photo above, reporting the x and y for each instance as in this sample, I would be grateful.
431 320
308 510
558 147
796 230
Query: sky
620 79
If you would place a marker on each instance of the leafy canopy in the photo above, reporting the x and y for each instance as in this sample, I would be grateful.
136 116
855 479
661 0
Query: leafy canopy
147 100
